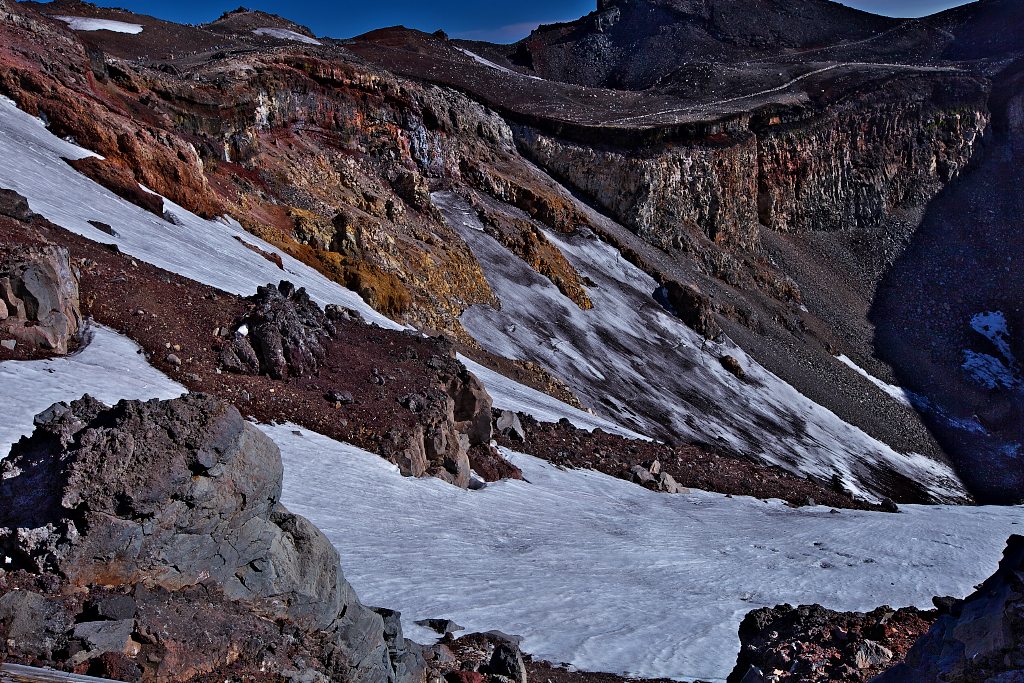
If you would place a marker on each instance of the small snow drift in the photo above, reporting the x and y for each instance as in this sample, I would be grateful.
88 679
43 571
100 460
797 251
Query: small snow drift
285 34
92 24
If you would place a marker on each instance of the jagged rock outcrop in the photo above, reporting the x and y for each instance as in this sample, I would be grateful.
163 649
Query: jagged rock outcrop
281 336
450 419
978 639
171 494
39 297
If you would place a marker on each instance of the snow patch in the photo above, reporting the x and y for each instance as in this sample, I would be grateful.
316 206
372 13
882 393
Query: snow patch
609 576
92 24
898 393
285 34
487 62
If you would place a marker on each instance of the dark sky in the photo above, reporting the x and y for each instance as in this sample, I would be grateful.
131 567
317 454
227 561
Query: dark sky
500 22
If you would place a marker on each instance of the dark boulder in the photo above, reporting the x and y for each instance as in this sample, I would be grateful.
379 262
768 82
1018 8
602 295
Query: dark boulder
33 624
175 493
14 206
693 308
285 335
507 661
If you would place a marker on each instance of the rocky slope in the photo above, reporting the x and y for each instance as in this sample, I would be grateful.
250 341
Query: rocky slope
758 173
748 199
797 201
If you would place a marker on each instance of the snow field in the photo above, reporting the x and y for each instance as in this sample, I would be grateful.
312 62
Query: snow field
592 570
609 576
92 24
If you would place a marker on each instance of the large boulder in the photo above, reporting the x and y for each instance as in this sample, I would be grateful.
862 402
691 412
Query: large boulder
283 336
451 417
171 494
980 639
39 297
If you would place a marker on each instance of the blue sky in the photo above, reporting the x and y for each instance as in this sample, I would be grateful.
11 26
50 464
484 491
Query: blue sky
501 22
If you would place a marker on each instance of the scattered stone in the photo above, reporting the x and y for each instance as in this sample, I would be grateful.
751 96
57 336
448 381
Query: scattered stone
173 360
336 312
693 308
113 607
669 485
103 227
414 402
732 365
641 475
889 506
507 661
510 427
872 654
9 344
102 636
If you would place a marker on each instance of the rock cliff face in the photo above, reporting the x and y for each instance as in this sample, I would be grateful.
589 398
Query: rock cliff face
864 161
849 167
708 187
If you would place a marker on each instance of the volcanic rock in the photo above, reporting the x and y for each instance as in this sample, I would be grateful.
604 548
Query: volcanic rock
693 308
507 661
14 205
39 297
174 493
983 641
285 340
509 425
36 625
